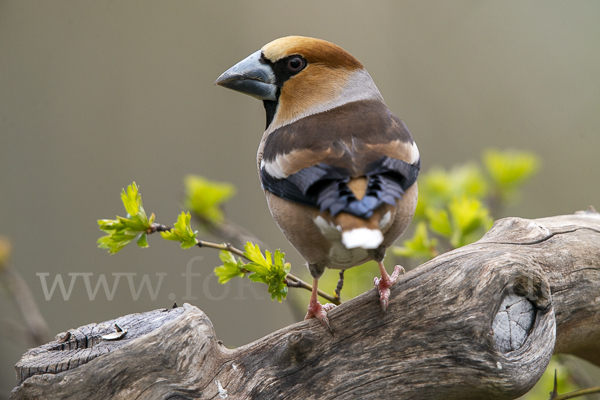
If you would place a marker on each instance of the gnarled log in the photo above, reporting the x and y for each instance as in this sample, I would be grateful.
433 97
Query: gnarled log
479 322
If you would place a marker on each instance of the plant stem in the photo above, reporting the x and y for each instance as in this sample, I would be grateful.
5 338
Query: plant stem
576 393
37 331
291 280
297 282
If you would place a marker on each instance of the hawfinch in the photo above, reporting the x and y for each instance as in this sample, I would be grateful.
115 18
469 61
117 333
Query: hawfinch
338 169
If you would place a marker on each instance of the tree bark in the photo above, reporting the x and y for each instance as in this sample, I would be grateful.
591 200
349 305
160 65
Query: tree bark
479 322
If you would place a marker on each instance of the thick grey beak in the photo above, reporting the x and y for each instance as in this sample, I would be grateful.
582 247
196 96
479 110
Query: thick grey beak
251 77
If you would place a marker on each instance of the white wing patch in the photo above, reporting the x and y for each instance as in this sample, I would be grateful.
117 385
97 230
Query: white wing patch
328 230
385 220
414 153
273 169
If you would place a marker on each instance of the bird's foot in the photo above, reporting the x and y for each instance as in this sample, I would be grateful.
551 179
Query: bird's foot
318 311
384 283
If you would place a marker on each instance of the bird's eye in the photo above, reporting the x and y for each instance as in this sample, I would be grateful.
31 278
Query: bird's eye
296 64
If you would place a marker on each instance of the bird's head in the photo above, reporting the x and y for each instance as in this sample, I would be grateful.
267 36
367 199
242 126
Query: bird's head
298 76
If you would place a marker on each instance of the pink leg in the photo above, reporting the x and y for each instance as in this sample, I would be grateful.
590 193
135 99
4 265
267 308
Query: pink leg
316 310
385 283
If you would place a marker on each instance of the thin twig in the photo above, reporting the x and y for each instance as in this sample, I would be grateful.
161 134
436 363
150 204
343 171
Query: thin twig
233 233
340 285
296 282
228 231
37 328
158 228
576 393
579 375
223 246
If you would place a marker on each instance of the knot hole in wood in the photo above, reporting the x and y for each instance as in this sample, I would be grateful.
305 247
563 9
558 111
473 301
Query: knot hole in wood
299 346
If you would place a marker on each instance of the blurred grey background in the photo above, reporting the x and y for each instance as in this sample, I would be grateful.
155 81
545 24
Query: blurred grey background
97 94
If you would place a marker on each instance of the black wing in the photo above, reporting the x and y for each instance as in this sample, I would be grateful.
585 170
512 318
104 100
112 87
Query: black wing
325 187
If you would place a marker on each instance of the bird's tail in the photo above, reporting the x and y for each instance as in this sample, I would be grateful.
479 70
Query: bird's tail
362 237
364 233
360 232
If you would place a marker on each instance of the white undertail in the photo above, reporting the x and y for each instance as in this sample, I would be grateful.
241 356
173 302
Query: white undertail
362 237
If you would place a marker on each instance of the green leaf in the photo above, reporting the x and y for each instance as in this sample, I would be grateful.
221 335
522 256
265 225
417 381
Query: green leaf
121 231
439 222
452 202
468 180
143 240
420 246
227 257
468 215
434 191
258 277
182 232
509 169
132 200
205 197
252 252
268 269
438 183
280 261
258 269
117 239
230 268
438 187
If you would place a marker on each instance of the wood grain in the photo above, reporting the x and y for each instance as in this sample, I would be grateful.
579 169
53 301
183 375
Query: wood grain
479 322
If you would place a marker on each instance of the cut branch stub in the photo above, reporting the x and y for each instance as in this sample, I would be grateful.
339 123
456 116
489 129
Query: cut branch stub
79 346
526 293
479 322
513 323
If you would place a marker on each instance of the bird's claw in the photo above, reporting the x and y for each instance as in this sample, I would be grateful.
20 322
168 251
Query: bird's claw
319 312
384 283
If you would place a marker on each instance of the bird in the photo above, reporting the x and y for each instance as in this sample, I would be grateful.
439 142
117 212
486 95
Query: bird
337 167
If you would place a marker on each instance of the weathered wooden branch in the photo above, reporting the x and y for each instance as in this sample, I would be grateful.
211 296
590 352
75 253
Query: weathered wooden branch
480 322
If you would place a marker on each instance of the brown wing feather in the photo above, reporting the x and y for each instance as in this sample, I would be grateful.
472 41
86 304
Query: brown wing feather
351 136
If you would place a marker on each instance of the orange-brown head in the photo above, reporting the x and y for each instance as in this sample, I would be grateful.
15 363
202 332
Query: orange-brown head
298 76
